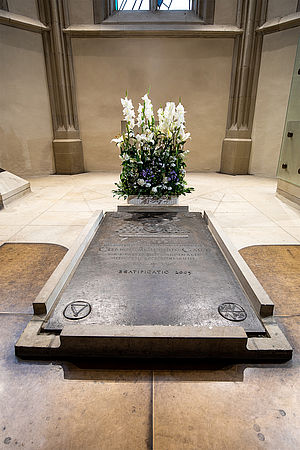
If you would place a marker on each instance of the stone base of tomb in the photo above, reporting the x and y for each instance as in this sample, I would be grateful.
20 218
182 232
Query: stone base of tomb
117 319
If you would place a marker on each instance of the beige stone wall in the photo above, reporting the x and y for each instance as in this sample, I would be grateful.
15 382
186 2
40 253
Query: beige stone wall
198 70
24 7
276 71
225 12
280 8
25 120
81 11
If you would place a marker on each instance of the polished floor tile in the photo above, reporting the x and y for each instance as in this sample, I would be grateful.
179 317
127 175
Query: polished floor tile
240 220
244 406
243 202
75 405
245 236
62 218
62 235
51 405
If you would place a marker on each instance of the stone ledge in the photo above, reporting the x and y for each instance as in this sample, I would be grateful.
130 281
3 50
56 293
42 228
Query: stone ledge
153 30
280 23
260 300
12 187
48 296
94 341
22 22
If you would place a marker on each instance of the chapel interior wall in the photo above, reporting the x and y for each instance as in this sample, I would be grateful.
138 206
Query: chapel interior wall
25 118
280 8
23 7
197 69
277 63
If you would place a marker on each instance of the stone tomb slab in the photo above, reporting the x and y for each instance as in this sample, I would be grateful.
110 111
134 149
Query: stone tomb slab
154 269
155 284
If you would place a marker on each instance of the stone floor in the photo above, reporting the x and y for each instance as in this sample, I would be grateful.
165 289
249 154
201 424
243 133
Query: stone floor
59 206
108 405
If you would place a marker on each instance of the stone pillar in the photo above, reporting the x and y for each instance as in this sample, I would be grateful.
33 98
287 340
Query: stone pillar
244 78
67 145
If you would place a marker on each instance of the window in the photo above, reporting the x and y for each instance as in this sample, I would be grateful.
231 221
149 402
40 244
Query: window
133 5
154 11
162 5
175 5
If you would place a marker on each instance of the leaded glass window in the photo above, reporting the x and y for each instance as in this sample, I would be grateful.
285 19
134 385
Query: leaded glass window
174 5
133 5
162 5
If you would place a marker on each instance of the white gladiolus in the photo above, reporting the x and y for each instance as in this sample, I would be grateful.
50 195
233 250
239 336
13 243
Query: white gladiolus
179 115
160 114
128 111
148 108
145 112
154 189
140 120
166 118
170 111
141 182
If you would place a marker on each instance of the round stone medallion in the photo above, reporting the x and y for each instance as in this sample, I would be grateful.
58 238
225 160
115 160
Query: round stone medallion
232 311
77 310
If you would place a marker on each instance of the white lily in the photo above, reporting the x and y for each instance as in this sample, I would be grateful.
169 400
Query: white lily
118 141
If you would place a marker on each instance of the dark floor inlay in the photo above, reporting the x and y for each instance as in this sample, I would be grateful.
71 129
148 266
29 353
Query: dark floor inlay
277 267
25 268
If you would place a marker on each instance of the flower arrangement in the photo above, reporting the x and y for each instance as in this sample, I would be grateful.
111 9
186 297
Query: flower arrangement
152 153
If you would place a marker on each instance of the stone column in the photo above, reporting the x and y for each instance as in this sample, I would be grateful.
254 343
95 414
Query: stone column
67 145
245 70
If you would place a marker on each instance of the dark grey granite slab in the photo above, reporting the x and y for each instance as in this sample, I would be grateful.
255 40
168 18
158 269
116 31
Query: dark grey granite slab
154 269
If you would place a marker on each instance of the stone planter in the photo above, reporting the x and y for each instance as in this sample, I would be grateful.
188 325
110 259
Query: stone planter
152 201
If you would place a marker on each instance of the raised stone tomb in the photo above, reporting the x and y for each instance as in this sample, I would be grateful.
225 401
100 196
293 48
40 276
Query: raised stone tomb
156 284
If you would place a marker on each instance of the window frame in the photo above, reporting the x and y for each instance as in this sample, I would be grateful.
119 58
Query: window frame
202 12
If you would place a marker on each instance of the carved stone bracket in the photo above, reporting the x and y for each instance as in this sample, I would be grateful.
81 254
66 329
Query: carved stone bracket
67 144
245 70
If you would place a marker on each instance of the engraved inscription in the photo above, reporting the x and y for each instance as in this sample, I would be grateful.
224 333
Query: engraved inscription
154 272
144 200
163 253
